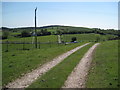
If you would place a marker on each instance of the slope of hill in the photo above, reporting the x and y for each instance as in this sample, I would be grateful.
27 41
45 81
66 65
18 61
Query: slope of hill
58 29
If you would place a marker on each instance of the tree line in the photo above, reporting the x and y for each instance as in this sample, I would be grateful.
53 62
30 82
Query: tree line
57 30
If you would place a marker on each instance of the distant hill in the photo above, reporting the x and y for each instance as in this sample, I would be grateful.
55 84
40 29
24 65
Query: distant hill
52 26
66 29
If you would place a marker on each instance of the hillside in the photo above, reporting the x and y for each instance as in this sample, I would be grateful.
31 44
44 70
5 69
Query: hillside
55 30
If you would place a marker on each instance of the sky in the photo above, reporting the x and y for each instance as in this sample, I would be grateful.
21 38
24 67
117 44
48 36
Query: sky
102 15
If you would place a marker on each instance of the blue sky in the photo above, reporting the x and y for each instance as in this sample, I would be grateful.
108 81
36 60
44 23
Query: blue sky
102 15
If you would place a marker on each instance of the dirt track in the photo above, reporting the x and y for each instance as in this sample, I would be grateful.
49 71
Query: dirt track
78 76
28 78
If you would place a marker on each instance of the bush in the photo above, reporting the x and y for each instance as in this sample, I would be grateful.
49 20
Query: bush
5 35
73 39
43 32
25 34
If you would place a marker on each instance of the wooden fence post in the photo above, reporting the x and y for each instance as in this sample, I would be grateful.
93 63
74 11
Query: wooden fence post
7 46
39 45
23 45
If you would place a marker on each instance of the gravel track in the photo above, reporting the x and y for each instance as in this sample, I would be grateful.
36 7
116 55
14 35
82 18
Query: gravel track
28 78
78 76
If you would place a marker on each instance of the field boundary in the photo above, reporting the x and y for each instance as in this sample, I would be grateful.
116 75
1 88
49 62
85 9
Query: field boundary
28 78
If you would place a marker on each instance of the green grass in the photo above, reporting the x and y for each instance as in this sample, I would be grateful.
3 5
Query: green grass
87 37
0 65
67 38
56 77
51 38
17 62
104 70
19 47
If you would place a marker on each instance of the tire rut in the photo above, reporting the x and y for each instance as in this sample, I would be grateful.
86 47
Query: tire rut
78 76
29 78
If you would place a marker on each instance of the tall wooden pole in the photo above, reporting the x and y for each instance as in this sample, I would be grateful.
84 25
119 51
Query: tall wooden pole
35 30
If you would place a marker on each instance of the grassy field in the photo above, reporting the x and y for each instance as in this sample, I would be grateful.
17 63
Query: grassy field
56 77
51 40
86 37
104 69
0 65
17 62
66 38
20 47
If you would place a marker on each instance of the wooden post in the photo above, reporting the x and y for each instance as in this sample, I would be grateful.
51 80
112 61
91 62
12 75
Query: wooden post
50 44
35 30
24 45
39 45
7 46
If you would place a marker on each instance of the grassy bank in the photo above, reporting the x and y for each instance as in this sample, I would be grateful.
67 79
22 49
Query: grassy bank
104 69
56 77
17 62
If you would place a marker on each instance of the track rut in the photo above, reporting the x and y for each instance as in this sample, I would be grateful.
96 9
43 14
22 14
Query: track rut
28 78
78 76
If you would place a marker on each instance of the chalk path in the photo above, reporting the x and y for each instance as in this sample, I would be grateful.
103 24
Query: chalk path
78 76
28 78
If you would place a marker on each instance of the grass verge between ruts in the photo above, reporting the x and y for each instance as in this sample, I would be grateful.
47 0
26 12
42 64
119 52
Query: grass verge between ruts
56 77
15 63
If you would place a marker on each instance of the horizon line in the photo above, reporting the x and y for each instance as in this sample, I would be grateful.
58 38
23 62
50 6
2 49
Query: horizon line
58 25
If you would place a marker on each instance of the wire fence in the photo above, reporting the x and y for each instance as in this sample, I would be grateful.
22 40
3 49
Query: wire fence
13 46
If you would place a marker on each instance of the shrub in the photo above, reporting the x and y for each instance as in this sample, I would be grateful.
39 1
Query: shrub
73 39
5 34
25 34
43 32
